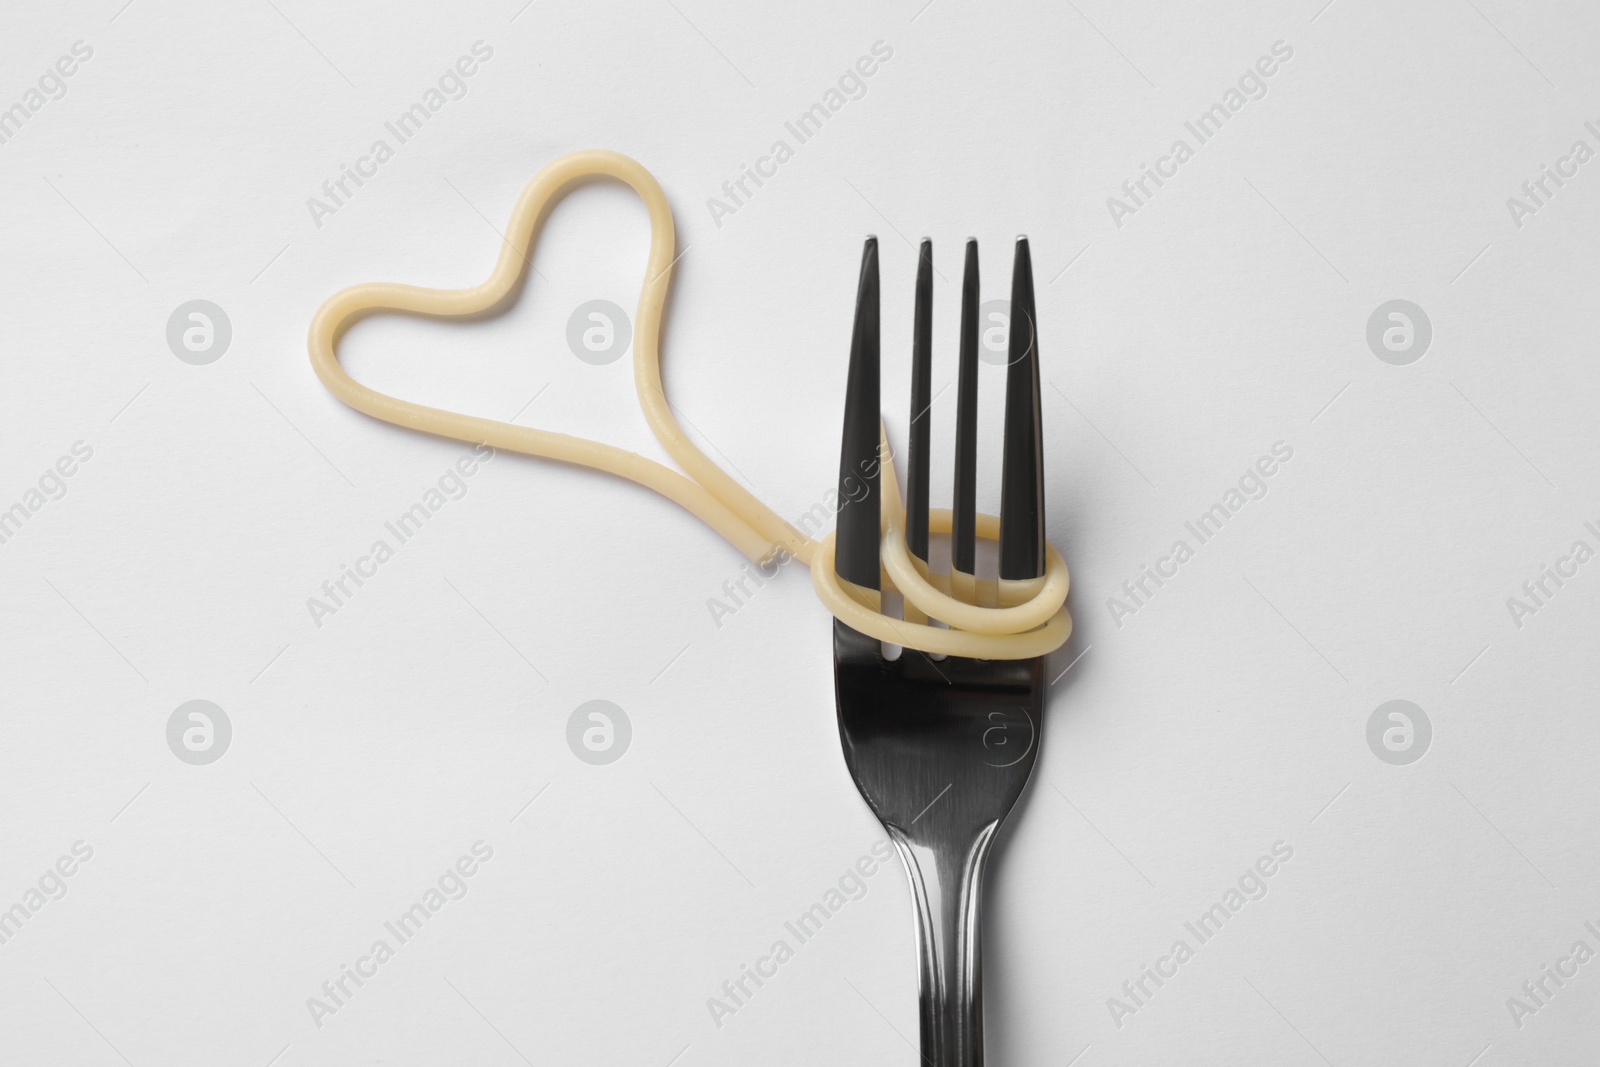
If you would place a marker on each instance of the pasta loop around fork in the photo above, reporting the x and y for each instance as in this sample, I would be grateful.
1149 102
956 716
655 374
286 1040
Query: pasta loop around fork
933 639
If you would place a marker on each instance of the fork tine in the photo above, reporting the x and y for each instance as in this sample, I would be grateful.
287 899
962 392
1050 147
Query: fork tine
856 543
964 505
921 419
1022 469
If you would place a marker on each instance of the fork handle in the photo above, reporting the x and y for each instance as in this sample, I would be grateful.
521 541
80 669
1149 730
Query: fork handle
946 891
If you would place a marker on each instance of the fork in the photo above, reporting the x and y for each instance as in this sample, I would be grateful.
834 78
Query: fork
941 750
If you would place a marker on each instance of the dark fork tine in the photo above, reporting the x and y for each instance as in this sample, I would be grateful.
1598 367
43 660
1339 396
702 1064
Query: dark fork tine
921 420
964 502
856 542
1022 471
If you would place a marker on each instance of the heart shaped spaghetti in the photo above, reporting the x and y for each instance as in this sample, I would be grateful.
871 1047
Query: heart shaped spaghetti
1039 625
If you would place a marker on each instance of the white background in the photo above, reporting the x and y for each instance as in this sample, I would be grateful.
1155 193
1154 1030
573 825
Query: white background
1229 713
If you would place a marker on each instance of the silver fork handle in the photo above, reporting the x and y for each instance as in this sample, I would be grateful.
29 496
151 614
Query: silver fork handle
946 891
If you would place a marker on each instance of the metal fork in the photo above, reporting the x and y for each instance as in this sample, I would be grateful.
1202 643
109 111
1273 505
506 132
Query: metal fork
941 750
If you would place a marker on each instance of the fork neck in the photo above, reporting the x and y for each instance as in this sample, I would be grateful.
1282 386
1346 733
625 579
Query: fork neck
946 890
